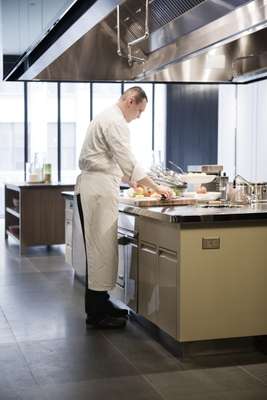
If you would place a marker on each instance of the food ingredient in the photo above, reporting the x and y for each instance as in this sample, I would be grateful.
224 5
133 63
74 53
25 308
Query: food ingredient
201 189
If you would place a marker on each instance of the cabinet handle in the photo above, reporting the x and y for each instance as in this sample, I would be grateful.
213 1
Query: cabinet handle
167 253
149 247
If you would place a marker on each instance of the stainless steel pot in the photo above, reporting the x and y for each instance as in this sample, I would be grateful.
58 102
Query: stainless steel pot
259 191
244 193
239 193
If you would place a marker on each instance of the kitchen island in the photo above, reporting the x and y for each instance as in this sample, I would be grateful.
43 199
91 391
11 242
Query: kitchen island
203 271
199 273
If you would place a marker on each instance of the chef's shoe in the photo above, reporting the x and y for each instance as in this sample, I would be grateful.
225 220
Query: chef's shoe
99 302
105 322
114 311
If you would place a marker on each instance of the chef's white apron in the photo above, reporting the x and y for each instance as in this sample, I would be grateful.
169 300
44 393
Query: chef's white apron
99 197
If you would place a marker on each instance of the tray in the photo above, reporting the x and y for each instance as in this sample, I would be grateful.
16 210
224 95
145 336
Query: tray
150 202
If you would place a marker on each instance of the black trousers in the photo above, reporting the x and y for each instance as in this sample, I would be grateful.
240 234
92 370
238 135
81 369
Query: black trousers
95 301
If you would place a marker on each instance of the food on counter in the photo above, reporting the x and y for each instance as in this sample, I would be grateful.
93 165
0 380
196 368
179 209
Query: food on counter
144 192
201 189
139 190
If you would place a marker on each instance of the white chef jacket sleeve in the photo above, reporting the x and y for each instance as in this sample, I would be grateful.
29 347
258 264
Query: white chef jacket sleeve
117 137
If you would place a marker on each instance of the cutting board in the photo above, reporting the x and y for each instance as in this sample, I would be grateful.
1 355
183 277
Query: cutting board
150 202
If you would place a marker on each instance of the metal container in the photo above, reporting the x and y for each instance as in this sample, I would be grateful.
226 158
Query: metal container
244 193
259 190
239 193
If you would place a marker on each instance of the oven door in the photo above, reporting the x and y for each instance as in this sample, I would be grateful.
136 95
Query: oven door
127 270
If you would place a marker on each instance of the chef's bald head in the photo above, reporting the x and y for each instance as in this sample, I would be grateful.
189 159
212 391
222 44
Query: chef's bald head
135 92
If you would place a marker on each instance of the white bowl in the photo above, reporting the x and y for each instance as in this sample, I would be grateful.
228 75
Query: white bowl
197 179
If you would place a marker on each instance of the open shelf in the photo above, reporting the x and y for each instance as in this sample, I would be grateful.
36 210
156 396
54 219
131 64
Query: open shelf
38 211
13 211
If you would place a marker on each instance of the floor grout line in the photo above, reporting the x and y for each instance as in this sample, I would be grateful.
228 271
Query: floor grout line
129 361
252 375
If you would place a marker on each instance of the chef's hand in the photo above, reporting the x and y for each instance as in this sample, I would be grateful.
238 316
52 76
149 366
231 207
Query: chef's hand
164 191
133 184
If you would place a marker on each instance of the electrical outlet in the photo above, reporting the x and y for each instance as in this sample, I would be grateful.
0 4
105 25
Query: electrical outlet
211 243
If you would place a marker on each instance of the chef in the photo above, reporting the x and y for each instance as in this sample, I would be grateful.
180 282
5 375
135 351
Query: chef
106 158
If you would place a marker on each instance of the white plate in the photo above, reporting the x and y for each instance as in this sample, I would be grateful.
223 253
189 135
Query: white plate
197 179
203 196
191 195
208 196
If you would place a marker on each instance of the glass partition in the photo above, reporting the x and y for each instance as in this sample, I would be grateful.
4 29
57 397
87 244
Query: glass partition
43 123
104 96
11 135
75 117
141 129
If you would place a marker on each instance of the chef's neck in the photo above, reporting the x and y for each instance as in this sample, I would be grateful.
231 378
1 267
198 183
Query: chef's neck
124 109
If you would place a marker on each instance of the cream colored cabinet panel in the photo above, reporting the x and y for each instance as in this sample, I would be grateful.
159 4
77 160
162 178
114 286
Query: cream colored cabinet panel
163 234
167 314
223 290
148 281
158 273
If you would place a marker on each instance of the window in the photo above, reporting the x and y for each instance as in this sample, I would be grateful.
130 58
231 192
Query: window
104 96
42 123
75 101
75 117
11 135
141 129
160 123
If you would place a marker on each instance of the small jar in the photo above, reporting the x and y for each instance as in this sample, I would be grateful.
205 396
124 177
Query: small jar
47 172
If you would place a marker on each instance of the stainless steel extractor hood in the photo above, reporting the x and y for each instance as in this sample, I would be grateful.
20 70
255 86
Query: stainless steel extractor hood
189 41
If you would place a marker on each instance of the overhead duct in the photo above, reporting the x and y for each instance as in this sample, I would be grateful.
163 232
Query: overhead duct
189 41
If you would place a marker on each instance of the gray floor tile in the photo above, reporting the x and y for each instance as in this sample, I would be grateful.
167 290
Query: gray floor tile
8 393
46 352
11 353
84 358
48 329
175 384
33 393
230 395
130 388
145 354
6 336
257 394
258 370
15 265
53 264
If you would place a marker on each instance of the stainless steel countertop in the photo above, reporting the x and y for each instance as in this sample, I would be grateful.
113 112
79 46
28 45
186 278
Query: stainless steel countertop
198 214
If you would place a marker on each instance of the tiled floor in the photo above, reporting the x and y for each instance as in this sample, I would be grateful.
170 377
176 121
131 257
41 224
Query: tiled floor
47 353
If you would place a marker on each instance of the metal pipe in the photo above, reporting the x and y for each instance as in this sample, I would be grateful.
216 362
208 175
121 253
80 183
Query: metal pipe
118 32
132 58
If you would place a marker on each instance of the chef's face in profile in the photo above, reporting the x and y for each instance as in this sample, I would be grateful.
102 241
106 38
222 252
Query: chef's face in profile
135 108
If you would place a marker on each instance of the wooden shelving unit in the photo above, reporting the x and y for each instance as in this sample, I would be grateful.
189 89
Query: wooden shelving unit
35 214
